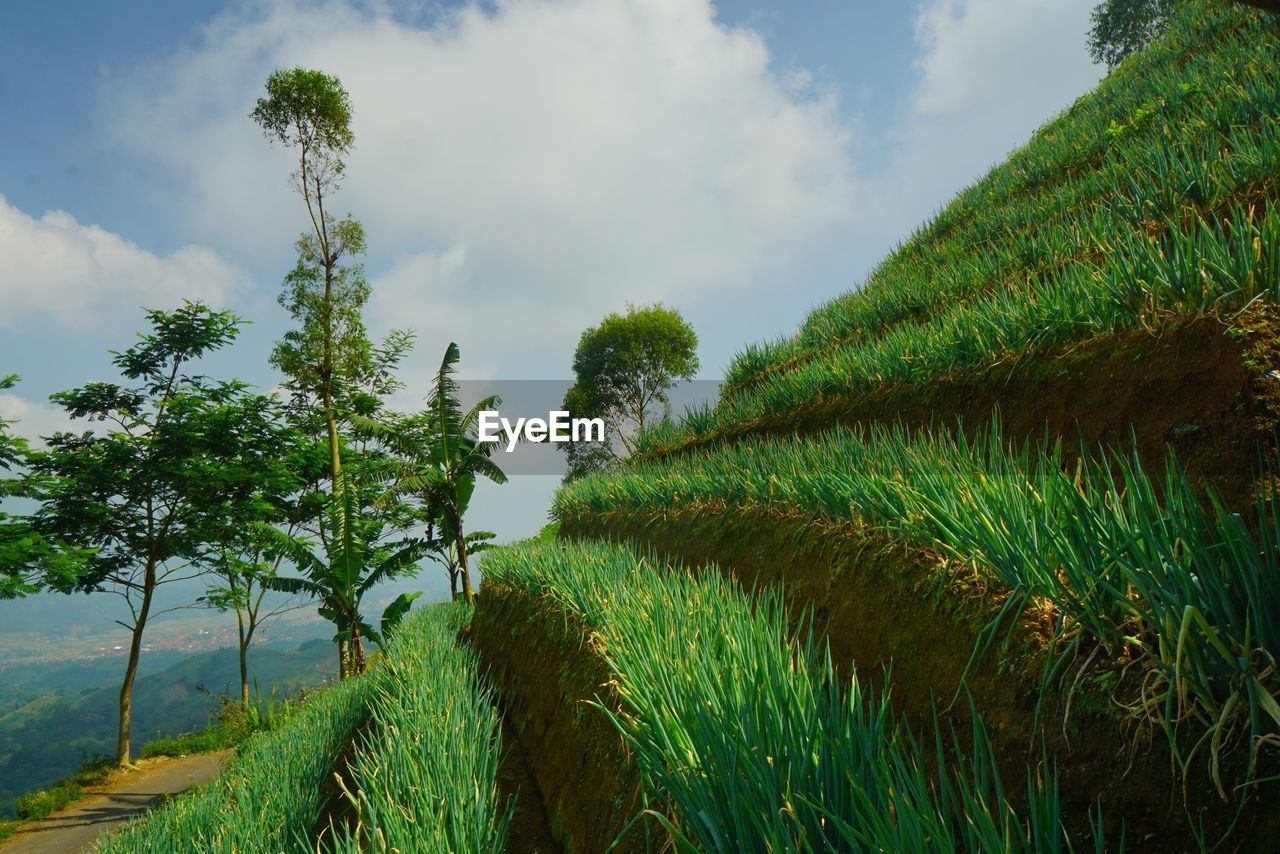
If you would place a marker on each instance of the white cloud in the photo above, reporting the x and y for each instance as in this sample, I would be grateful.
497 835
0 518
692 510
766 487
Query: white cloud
32 419
536 165
990 73
74 274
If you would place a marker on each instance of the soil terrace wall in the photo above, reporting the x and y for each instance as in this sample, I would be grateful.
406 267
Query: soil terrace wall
540 660
882 606
1199 386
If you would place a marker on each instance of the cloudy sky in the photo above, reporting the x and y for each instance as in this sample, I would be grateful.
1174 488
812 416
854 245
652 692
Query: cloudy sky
522 167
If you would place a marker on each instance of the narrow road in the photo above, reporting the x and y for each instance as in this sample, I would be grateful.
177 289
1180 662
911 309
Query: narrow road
77 827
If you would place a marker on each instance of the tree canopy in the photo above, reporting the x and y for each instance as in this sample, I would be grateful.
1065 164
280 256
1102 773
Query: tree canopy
623 370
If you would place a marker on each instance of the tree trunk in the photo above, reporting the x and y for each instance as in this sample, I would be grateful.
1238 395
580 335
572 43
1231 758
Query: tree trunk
463 570
123 749
244 661
343 658
453 583
357 654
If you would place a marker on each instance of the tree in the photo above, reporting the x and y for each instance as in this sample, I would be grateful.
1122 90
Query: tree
1120 28
25 556
623 370
443 549
353 560
181 457
329 354
442 457
245 561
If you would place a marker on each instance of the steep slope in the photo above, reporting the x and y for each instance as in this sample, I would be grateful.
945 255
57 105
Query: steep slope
1112 292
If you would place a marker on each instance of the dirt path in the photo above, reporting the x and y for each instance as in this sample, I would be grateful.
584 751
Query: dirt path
119 799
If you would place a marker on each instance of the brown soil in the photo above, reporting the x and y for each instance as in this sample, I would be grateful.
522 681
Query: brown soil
548 678
337 813
530 829
1197 386
882 606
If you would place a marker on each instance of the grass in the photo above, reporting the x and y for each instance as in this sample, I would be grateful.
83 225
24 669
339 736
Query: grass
745 736
232 725
1164 576
422 778
424 774
35 805
270 796
1153 196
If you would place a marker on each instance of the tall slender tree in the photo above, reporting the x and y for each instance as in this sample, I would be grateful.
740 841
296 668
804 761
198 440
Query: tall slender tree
309 112
182 455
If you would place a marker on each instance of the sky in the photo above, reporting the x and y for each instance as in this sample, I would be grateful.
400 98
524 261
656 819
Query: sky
522 168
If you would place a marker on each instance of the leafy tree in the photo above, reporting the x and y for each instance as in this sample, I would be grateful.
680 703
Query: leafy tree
245 560
24 554
1121 28
623 370
354 559
443 547
181 456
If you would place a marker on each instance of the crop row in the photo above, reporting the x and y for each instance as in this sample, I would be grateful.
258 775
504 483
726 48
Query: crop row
746 738
1198 149
1209 264
422 774
1166 128
270 797
1133 569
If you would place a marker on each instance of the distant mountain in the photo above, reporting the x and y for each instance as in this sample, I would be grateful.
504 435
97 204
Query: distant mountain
55 716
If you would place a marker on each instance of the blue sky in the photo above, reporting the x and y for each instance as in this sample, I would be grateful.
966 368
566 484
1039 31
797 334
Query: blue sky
522 167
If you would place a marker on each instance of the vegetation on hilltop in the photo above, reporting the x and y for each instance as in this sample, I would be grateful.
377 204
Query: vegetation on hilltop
1150 198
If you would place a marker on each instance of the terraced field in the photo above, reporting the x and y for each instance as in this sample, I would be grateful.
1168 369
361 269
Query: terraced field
985 557
1013 499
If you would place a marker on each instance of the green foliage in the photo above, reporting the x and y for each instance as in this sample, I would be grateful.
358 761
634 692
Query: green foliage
306 110
180 458
209 740
140 504
234 723
750 736
1120 28
424 775
26 556
37 805
270 797
354 559
54 715
1148 198
441 458
1165 574
333 369
622 369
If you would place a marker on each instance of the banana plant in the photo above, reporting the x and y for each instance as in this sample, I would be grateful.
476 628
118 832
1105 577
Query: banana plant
352 561
439 460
